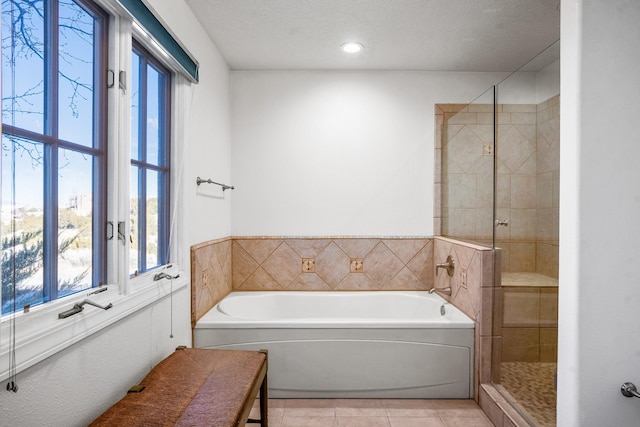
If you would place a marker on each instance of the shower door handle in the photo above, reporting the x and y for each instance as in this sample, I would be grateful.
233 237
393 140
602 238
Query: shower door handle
504 222
629 390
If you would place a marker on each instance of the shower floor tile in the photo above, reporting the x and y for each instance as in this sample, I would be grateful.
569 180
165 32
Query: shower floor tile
532 386
374 413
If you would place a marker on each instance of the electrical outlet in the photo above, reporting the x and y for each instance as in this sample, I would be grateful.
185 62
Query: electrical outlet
308 265
205 278
356 265
487 149
463 278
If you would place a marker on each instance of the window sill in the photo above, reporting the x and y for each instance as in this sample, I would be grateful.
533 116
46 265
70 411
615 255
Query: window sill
40 334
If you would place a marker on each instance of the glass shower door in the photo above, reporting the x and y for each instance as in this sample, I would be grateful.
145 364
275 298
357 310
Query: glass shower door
526 236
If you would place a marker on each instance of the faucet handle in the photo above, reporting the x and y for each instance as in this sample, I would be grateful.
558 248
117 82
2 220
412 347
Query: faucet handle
450 265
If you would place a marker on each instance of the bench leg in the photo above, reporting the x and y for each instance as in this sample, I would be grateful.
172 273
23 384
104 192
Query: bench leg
264 403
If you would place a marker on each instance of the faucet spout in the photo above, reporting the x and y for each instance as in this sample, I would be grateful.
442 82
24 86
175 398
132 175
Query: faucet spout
450 265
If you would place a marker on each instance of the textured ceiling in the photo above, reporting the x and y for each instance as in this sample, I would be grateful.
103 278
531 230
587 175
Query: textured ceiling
436 35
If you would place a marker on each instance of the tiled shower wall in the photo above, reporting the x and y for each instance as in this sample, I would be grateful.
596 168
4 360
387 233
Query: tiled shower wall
527 181
548 186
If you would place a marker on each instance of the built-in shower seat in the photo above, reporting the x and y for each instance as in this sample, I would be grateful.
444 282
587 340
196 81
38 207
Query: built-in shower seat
195 387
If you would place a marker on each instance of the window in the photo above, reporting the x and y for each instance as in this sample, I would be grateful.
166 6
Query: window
150 119
53 149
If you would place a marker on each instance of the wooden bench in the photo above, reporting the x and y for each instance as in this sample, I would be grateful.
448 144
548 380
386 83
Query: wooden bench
196 387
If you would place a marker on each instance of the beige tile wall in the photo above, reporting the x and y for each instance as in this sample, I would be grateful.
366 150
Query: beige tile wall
548 186
475 297
276 263
530 324
527 180
214 259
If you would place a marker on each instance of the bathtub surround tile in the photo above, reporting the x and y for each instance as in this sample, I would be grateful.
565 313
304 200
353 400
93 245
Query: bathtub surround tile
214 257
422 264
393 263
308 282
308 248
405 249
405 280
243 265
259 249
259 280
382 265
283 265
479 263
356 248
332 265
355 282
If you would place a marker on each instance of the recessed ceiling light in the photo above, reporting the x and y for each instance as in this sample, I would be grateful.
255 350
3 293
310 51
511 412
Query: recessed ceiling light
352 47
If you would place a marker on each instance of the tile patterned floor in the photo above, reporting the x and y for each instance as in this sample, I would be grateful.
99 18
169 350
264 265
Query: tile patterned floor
531 384
374 413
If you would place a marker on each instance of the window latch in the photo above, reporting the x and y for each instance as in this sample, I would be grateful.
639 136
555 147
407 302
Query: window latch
121 235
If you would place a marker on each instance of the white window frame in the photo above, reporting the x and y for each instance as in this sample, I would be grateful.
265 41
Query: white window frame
40 334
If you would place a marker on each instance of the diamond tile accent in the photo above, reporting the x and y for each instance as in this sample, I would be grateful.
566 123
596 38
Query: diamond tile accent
356 248
308 282
332 264
465 149
422 265
259 249
515 148
243 265
405 249
283 265
405 280
355 282
308 248
382 265
259 281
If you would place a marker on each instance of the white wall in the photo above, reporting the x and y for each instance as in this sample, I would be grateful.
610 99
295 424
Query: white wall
548 81
76 385
209 138
338 153
599 300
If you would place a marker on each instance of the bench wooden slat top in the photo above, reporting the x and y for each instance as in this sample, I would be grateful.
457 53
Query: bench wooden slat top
193 387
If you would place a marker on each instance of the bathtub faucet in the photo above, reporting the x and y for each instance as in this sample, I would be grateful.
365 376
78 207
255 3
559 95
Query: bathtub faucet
449 266
443 291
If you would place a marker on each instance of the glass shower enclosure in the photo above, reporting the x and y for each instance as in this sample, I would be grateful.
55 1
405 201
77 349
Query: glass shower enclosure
498 186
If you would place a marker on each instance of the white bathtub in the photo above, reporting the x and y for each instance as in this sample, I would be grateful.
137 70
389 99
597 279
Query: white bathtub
349 344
